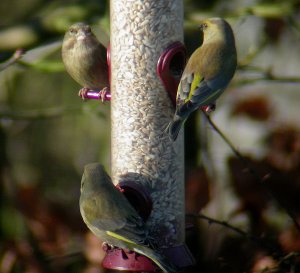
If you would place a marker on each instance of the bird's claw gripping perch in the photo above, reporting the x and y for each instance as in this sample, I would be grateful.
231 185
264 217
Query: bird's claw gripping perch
107 247
83 93
119 188
103 95
207 109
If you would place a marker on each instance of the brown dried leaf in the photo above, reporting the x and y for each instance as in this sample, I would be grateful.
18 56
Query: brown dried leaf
263 263
256 108
253 196
284 148
274 27
289 239
47 226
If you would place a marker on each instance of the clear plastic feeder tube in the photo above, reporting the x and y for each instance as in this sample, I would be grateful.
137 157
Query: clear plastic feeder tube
141 110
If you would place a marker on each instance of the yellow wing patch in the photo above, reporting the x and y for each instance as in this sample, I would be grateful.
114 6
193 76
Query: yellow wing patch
143 250
195 83
178 91
115 235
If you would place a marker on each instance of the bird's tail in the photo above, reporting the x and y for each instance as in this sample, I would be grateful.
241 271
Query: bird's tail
159 259
174 127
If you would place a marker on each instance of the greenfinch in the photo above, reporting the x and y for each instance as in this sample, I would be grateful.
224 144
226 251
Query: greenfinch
207 73
110 216
84 58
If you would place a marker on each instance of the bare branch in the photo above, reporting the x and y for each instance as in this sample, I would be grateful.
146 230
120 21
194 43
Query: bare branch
262 242
253 172
14 58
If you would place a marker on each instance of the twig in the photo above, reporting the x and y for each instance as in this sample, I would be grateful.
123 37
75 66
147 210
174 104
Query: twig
252 170
14 58
289 257
282 263
253 53
263 75
293 24
221 223
257 240
228 142
266 76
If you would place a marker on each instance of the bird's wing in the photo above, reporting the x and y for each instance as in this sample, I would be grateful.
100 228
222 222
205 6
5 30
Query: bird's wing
116 216
133 231
194 91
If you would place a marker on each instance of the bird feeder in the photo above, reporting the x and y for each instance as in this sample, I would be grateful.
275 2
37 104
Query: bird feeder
146 57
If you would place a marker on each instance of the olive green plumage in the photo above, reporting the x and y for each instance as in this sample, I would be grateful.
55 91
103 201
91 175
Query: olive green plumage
109 215
84 57
207 73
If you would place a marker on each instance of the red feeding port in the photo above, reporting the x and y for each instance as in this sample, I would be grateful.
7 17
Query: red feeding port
125 260
119 259
170 66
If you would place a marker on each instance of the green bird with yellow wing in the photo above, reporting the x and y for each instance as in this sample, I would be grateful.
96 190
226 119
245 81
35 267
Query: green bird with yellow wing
110 216
207 73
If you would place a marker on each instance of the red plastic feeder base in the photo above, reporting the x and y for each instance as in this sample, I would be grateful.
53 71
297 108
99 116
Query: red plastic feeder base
124 260
119 259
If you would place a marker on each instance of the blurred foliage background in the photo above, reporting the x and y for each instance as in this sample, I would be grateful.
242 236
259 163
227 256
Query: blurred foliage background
47 134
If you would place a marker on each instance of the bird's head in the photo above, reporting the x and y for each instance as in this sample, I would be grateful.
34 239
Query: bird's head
94 177
214 28
79 31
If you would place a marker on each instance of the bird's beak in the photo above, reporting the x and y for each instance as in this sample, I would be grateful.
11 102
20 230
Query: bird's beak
81 36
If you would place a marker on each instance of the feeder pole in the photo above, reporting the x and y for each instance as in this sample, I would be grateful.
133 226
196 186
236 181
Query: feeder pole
141 110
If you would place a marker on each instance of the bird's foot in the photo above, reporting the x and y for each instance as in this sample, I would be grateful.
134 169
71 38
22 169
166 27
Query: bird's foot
207 109
87 93
106 247
118 187
103 93
83 92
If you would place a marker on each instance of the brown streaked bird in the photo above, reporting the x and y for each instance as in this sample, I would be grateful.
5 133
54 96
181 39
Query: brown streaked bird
84 58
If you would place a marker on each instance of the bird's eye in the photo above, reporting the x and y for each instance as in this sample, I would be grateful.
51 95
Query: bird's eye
72 31
203 26
88 29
